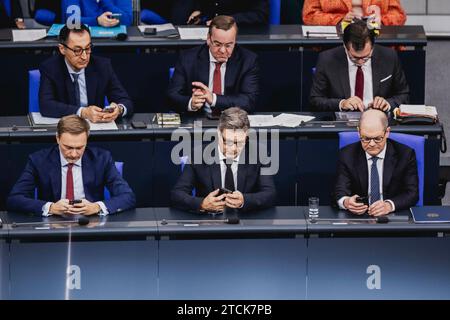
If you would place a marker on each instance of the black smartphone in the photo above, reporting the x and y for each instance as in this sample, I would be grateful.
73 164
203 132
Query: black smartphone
224 190
72 202
108 109
115 16
149 31
364 200
138 125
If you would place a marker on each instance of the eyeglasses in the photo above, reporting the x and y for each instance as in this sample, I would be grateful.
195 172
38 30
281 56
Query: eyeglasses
378 139
217 44
230 143
357 60
79 51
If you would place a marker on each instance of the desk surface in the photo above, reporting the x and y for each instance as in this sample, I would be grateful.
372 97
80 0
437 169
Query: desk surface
19 127
278 222
270 35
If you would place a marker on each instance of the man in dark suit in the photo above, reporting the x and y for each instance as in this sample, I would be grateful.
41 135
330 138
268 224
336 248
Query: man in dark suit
76 83
215 76
70 171
248 12
251 188
358 75
383 170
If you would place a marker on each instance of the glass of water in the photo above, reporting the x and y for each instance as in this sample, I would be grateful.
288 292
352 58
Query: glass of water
313 210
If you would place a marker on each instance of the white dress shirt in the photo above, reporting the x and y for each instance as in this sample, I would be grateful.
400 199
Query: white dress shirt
380 167
78 187
83 89
212 67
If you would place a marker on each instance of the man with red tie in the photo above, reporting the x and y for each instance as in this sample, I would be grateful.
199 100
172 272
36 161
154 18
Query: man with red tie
217 75
358 75
70 171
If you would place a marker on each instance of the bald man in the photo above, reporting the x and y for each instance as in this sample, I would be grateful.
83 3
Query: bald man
379 170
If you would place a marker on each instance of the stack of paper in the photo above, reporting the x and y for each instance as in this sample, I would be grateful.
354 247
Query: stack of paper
166 30
417 110
38 120
261 121
196 33
320 32
291 120
28 35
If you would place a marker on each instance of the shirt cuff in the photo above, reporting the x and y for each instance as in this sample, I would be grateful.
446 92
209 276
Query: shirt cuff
79 111
213 104
392 204
46 209
190 105
103 210
389 107
124 110
340 104
341 202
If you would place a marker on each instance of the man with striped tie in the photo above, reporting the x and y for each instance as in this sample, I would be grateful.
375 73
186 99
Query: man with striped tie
378 168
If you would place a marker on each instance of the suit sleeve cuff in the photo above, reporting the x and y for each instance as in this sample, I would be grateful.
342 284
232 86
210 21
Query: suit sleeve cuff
46 209
392 204
341 202
103 210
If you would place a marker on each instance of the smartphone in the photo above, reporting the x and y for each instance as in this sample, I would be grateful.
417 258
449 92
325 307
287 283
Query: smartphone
72 202
149 31
364 200
115 16
108 109
224 190
138 125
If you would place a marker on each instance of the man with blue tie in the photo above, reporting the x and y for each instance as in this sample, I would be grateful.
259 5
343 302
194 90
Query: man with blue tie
377 168
217 75
77 83
70 171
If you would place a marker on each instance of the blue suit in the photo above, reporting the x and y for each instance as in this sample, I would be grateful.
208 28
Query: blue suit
43 171
91 9
241 78
57 94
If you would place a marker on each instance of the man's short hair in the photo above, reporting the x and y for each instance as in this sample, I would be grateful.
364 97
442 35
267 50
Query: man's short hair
234 118
72 124
65 32
357 33
222 23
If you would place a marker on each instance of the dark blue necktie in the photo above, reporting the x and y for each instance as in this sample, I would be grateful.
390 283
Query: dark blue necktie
76 88
374 181
229 180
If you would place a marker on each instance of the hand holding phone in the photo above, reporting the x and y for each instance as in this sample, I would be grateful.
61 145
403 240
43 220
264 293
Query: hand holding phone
363 200
72 202
108 109
115 16
224 191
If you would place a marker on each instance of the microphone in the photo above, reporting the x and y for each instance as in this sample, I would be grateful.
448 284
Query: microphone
82 221
382 219
232 220
121 36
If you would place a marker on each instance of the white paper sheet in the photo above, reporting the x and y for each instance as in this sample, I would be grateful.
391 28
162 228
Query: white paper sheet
320 32
261 121
159 27
291 120
29 35
193 33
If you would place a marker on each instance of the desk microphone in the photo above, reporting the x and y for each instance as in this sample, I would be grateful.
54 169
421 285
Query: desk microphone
82 221
232 220
121 36
382 219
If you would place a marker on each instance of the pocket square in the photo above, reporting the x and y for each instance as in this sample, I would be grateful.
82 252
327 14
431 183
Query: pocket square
388 77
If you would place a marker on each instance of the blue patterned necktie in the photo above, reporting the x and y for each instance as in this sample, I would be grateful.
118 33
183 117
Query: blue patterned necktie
76 87
374 181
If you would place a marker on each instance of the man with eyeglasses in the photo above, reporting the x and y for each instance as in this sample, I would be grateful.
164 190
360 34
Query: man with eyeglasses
229 179
381 171
217 75
358 75
77 83
69 178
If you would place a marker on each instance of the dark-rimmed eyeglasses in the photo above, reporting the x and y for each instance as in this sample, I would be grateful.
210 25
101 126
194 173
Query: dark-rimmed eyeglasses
378 139
79 51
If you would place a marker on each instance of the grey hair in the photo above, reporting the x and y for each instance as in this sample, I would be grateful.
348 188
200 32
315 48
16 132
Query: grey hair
371 115
234 118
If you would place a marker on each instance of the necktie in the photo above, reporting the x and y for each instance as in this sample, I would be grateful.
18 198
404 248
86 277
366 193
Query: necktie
69 182
229 180
374 181
217 87
76 88
359 84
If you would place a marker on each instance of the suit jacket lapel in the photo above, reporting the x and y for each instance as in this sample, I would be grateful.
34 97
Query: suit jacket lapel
68 83
91 84
343 73
241 177
376 69
215 176
232 70
362 170
203 66
89 175
55 173
390 162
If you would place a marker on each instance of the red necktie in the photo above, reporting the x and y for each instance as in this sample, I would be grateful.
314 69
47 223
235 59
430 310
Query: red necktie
217 79
359 84
69 182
